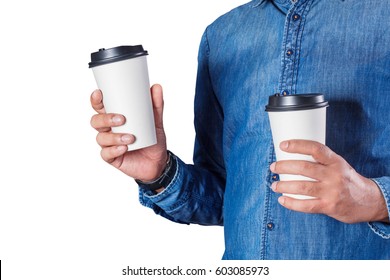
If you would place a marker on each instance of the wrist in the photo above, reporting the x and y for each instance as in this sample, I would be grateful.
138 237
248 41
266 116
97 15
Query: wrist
381 214
163 180
161 167
156 170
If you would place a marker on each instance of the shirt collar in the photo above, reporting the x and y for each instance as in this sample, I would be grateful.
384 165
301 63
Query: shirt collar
284 5
257 3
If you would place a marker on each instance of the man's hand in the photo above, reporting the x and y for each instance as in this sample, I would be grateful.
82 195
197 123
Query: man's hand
339 191
145 164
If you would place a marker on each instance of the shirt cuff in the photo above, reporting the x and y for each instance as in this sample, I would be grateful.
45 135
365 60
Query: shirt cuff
383 229
170 198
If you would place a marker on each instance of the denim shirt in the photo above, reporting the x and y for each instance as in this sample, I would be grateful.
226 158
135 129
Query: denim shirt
337 47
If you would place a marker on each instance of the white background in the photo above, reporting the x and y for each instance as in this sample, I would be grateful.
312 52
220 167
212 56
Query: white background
64 212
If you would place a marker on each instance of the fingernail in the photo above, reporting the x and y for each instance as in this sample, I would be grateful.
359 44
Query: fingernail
272 167
117 119
95 94
284 145
127 138
282 200
274 186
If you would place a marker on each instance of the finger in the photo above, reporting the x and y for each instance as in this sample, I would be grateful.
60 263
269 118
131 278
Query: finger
107 139
97 101
109 154
106 121
301 205
308 188
318 151
309 169
158 105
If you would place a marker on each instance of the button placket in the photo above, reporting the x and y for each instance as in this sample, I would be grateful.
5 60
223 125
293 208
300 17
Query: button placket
291 46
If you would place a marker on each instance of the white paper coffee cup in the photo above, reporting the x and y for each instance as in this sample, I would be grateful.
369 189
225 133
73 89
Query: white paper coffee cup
121 73
301 116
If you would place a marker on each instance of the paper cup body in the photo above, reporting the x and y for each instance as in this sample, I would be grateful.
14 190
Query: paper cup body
126 91
307 124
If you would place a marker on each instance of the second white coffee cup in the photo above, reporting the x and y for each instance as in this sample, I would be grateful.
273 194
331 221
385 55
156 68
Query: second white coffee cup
301 116
121 73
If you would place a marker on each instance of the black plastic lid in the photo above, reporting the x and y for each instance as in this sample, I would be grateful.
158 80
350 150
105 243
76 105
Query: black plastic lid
104 56
280 103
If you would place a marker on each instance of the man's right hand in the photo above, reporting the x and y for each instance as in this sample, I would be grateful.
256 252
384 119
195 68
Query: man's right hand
144 164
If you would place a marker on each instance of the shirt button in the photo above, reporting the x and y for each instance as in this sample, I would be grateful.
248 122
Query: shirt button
289 52
285 92
270 226
296 17
275 177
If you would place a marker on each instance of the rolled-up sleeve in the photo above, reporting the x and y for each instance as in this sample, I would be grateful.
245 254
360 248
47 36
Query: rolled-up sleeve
195 192
383 229
187 199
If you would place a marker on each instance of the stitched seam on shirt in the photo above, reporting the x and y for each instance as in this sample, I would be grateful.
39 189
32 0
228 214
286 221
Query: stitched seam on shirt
283 56
207 45
291 62
266 218
378 231
208 54
298 42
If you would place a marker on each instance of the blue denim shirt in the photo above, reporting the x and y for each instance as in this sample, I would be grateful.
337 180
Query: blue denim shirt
337 47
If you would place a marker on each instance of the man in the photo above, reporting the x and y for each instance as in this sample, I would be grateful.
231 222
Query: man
339 48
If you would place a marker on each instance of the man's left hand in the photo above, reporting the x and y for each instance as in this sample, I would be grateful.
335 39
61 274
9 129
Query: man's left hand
339 191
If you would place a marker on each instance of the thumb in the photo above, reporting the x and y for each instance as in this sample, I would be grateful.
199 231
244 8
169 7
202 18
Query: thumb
158 105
